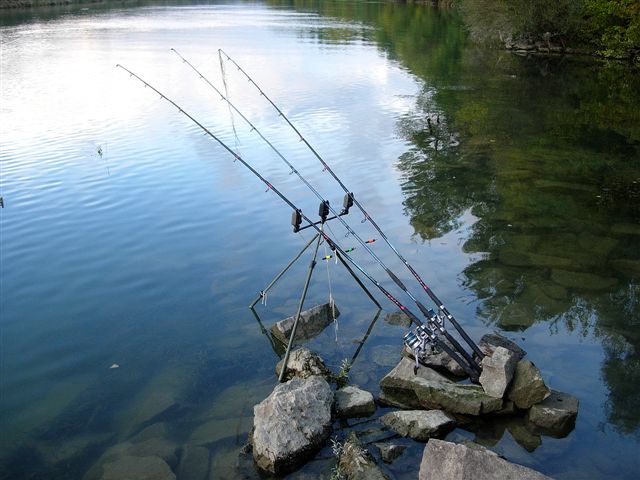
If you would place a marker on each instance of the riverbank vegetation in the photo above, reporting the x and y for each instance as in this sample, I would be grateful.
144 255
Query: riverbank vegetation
610 28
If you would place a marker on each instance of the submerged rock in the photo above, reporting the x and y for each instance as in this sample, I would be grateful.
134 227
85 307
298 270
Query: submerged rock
430 390
356 463
508 408
627 267
497 371
398 318
354 402
194 463
291 424
523 436
527 387
490 341
140 468
303 363
419 424
390 451
311 323
582 281
134 454
515 258
449 461
556 415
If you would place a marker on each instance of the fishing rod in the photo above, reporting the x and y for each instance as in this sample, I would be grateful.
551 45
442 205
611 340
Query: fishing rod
327 168
332 244
348 202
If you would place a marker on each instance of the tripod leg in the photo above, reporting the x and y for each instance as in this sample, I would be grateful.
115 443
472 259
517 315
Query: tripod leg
283 271
295 323
346 265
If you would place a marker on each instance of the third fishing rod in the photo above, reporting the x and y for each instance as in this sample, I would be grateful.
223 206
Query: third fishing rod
332 244
327 168
348 202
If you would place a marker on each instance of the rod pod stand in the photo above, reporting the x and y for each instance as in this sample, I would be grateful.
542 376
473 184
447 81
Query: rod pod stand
312 265
296 220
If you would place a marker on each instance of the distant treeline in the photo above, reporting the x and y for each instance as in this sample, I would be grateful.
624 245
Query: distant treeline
608 27
40 3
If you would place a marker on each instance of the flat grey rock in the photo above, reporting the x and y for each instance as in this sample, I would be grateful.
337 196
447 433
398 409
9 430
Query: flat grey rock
291 424
353 402
450 461
311 323
419 424
555 415
430 390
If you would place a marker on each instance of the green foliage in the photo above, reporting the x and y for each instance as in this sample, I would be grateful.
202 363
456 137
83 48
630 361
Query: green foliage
614 27
610 27
342 377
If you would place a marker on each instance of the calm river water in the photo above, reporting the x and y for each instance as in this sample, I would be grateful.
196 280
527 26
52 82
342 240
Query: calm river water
129 239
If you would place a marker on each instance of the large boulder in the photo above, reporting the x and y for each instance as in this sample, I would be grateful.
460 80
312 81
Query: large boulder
419 424
555 415
291 424
490 341
354 402
497 371
311 323
303 363
356 463
449 461
430 390
527 387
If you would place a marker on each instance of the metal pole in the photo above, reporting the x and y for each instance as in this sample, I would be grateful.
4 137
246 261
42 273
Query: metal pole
283 271
353 274
266 333
295 323
366 335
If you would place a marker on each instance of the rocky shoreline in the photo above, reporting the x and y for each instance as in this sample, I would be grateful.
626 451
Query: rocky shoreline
319 415
299 416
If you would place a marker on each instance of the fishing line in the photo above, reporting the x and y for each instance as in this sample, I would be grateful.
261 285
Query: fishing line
226 93
429 329
440 305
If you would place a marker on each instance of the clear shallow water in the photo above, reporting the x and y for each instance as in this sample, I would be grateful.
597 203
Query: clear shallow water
146 254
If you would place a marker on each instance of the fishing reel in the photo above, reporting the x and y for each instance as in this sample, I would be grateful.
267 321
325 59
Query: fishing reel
420 342
436 320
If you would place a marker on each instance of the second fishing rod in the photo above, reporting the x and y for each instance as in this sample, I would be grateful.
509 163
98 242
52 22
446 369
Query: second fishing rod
332 244
326 167
349 199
